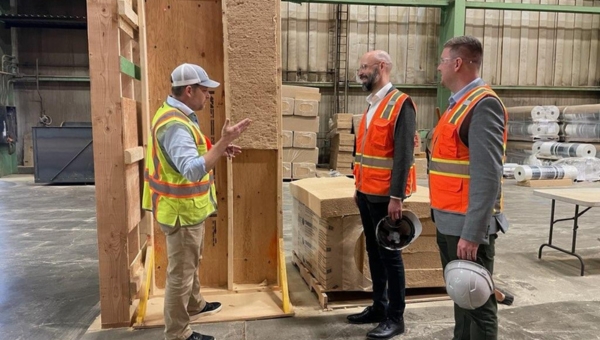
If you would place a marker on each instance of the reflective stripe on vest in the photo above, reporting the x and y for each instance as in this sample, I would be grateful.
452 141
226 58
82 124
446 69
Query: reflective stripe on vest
179 190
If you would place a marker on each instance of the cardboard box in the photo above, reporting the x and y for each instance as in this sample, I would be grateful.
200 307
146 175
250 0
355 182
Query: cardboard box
299 123
288 138
294 155
332 249
305 140
300 91
287 170
305 107
327 236
356 121
287 106
303 170
342 121
421 167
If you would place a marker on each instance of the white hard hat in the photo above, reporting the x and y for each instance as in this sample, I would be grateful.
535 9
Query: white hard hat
468 283
397 235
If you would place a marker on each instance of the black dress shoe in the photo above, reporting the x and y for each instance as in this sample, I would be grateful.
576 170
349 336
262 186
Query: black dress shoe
198 336
387 329
369 315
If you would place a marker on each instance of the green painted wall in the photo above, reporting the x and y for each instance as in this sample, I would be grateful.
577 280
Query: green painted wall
8 163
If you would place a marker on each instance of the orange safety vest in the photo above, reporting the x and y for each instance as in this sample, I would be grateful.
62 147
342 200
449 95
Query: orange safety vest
449 164
374 158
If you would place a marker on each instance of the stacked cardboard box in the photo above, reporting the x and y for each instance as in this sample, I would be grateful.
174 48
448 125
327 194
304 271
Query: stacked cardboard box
328 237
300 109
342 143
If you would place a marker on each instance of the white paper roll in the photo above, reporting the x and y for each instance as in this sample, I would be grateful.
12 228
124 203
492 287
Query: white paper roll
567 149
551 113
508 170
528 173
587 131
536 147
537 113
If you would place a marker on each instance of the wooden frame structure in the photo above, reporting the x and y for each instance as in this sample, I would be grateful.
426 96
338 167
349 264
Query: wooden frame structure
129 80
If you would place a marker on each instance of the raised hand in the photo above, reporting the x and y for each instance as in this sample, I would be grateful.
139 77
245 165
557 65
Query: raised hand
231 133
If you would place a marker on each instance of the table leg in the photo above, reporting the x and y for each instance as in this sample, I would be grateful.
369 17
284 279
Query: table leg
574 239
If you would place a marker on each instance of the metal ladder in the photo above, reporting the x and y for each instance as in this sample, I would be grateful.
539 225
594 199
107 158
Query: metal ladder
340 75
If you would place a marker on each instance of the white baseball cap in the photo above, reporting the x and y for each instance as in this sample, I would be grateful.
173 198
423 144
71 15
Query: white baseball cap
190 74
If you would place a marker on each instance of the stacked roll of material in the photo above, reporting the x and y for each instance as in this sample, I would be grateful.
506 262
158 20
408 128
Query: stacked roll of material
580 132
530 131
524 173
580 123
533 113
508 170
580 114
563 150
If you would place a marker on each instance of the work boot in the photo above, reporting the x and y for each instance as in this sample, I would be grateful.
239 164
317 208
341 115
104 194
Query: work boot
369 315
387 329
198 336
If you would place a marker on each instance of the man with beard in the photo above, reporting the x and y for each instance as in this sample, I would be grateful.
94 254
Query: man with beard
384 176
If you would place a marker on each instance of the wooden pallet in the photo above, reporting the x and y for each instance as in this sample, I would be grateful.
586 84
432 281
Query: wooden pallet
331 300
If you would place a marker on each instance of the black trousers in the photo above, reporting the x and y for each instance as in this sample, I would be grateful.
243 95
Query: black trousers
480 323
387 268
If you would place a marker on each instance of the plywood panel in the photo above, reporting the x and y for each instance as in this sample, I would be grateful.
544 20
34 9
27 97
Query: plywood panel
165 20
252 66
255 230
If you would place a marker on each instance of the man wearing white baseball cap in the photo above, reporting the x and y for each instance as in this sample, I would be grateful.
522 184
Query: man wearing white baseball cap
179 189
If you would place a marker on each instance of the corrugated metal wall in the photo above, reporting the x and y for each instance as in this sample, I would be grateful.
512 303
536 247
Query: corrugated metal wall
521 48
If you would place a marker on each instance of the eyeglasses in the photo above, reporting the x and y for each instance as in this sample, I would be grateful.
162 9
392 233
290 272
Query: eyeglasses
365 66
445 60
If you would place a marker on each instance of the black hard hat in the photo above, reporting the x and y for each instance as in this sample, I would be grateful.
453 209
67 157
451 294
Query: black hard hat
399 234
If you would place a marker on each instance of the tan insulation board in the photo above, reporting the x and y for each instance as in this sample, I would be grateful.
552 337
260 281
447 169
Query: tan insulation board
334 196
356 121
335 131
307 108
424 278
421 167
287 170
344 157
287 138
287 106
422 260
294 155
300 91
303 170
252 59
342 121
305 140
299 123
343 139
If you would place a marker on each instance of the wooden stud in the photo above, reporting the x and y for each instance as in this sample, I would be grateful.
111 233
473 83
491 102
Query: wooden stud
126 12
134 155
125 27
111 212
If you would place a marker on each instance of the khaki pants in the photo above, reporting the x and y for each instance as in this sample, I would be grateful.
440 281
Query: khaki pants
182 293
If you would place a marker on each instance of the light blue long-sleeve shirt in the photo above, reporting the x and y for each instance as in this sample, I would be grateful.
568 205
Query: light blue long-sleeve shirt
179 147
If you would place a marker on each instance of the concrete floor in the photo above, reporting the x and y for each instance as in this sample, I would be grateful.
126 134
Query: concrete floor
49 284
